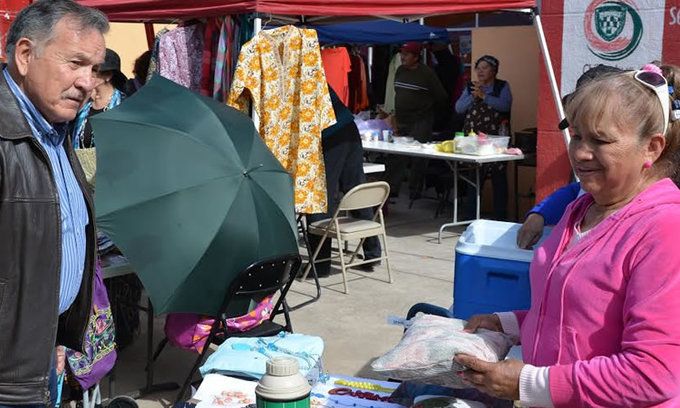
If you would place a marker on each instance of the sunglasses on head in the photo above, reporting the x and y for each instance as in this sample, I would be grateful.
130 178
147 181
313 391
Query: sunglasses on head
657 83
654 81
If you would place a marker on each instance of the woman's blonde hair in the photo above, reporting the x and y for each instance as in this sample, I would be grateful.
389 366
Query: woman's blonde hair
624 102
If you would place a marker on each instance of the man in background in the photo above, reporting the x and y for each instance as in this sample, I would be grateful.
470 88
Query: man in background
343 158
418 92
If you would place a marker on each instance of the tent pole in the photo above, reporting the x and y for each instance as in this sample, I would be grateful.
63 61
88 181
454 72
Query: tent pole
150 35
421 21
551 74
257 27
370 64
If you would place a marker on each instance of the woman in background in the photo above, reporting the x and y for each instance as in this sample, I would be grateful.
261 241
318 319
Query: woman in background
107 94
486 104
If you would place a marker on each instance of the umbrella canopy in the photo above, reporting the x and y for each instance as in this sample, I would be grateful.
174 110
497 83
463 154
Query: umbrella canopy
190 193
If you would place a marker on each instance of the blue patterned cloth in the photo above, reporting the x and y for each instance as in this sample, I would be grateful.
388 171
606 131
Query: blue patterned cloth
247 356
74 215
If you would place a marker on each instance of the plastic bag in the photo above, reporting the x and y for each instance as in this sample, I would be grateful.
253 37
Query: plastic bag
426 351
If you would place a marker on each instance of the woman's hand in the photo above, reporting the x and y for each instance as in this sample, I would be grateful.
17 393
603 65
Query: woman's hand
531 231
500 380
484 321
477 91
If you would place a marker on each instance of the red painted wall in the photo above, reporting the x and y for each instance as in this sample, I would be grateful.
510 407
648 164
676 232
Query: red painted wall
553 169
8 10
671 33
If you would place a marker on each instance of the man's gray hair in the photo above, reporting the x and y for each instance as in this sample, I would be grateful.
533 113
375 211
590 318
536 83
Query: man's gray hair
37 22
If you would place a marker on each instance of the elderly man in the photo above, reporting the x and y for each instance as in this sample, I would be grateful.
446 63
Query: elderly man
47 253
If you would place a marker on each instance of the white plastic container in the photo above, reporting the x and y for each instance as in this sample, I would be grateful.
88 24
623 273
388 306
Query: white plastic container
500 143
483 146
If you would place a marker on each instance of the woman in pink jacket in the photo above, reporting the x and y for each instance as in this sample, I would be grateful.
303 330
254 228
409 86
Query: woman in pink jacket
604 325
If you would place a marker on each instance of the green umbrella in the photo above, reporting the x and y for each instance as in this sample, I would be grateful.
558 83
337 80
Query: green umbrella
190 194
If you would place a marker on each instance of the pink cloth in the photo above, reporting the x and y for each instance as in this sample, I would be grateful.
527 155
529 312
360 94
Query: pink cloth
605 313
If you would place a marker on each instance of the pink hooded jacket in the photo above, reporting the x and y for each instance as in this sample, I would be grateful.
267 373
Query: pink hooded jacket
605 313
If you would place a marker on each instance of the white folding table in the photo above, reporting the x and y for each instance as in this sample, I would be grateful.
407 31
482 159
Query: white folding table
427 151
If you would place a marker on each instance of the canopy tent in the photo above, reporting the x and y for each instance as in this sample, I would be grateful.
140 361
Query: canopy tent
378 32
175 10
168 10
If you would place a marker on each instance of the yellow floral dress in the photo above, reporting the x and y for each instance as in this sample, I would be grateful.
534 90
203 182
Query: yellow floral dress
280 72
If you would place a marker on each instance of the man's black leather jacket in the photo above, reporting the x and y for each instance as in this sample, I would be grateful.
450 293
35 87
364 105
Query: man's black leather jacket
30 259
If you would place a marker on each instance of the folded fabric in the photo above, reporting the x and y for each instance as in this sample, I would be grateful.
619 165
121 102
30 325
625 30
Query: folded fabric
426 351
247 357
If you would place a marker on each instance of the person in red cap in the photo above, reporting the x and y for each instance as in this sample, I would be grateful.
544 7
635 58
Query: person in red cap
417 92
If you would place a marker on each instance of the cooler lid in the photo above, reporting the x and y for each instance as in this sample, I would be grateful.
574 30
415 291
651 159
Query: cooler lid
495 239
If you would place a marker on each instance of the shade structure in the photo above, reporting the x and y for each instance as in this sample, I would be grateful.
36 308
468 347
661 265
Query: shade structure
378 32
167 10
190 193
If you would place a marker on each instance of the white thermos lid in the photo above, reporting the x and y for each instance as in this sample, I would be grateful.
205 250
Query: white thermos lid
283 381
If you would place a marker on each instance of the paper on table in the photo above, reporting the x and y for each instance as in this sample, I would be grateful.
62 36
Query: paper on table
219 391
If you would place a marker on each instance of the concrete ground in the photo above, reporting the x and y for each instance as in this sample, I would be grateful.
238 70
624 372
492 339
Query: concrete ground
354 326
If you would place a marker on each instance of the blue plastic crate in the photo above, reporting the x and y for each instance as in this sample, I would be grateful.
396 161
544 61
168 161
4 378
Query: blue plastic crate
491 272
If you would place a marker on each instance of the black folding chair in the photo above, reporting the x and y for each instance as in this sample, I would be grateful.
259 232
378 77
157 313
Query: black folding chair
262 278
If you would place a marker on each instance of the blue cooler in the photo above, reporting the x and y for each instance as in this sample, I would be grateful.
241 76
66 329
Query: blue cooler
491 272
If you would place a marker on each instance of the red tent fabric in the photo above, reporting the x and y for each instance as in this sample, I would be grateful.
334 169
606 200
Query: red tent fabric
167 10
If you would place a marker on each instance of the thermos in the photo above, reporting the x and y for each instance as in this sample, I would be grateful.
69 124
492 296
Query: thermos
282 386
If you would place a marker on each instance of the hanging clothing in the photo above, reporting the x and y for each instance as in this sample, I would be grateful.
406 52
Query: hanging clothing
220 82
337 65
211 36
280 72
380 64
358 84
234 32
180 55
389 86
153 61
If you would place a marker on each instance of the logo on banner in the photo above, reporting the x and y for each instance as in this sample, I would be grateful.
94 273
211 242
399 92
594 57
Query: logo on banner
613 28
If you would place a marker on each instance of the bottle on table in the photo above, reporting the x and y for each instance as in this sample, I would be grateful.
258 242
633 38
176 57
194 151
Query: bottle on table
282 386
504 129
